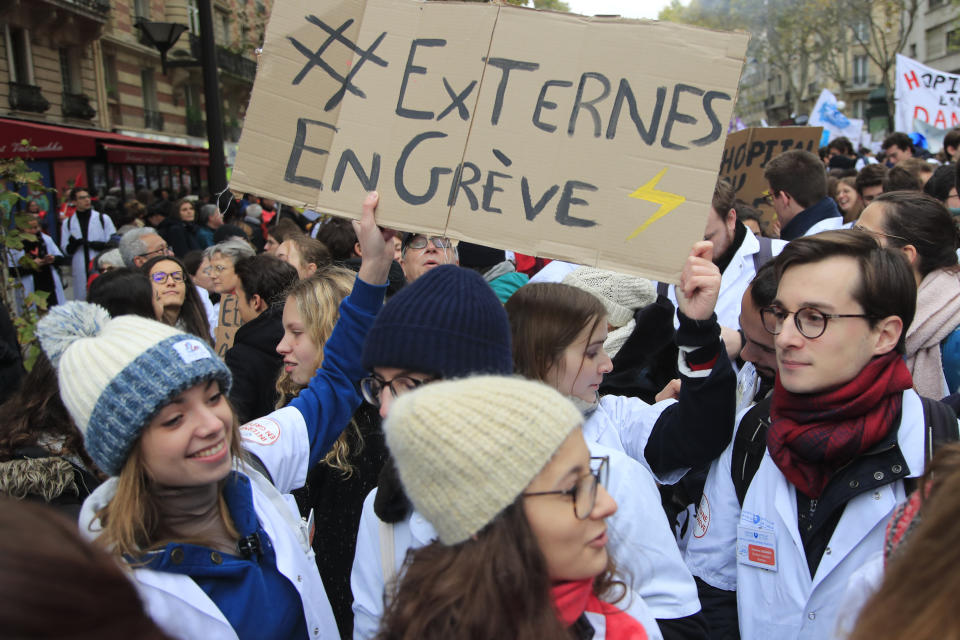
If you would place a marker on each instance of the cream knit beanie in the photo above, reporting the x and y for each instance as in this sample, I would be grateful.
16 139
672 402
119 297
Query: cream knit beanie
620 294
465 449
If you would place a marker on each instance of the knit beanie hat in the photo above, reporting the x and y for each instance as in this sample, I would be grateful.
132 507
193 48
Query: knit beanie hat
116 374
620 294
447 323
465 449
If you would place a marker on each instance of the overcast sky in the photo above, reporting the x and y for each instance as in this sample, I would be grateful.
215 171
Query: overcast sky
625 8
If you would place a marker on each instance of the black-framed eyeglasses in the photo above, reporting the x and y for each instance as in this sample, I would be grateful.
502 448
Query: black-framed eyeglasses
372 386
769 198
160 277
584 493
162 251
420 242
810 322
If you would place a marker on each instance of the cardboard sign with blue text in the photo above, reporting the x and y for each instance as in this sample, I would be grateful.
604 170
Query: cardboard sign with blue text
593 140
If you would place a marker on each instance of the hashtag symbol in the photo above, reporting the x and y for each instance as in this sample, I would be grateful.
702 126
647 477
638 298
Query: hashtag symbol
315 59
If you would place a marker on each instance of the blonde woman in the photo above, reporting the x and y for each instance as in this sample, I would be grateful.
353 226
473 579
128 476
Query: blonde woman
337 485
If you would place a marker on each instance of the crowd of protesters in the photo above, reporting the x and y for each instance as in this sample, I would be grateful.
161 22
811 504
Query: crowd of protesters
247 423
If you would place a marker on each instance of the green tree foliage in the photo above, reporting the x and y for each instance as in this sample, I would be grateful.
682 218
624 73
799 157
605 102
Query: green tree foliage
14 176
797 37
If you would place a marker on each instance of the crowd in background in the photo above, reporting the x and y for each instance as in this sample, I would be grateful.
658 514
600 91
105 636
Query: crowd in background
274 424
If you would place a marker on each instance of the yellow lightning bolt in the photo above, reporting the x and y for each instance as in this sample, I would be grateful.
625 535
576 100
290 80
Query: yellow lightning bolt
667 201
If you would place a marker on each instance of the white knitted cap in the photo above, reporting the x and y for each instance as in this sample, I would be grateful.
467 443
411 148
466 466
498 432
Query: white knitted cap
620 294
465 449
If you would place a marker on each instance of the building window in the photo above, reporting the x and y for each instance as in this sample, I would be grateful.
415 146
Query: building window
19 56
222 27
933 4
110 76
861 31
141 10
912 51
193 17
153 119
70 70
859 109
953 40
859 70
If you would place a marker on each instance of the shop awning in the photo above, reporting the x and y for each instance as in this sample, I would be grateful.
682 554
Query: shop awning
52 141
125 154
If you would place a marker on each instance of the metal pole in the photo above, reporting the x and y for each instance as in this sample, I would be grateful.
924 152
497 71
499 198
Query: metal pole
217 173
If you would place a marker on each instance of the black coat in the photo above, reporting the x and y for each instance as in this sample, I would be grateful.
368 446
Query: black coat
181 236
337 502
255 364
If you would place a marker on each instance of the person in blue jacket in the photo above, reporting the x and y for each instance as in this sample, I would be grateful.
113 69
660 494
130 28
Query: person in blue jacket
215 547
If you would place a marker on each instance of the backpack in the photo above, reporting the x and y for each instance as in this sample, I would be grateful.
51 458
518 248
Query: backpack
750 440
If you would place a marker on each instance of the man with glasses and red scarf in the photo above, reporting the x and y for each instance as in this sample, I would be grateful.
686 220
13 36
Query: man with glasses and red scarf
844 434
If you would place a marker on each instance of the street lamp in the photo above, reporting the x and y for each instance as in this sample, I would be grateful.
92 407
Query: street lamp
163 35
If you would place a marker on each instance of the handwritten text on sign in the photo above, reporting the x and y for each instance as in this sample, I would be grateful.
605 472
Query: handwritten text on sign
500 125
926 94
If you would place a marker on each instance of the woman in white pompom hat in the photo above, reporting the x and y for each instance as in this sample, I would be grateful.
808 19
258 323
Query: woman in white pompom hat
215 549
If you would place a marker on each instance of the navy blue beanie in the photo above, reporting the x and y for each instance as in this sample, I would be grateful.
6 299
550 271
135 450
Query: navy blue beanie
447 323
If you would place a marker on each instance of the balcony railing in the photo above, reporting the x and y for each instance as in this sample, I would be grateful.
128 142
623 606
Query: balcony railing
101 7
233 63
153 120
27 97
77 105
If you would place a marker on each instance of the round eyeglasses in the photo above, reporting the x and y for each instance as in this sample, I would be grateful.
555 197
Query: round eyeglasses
160 277
373 386
584 493
810 322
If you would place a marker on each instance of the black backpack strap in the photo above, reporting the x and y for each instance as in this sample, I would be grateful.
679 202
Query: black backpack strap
749 445
763 256
255 462
662 288
939 428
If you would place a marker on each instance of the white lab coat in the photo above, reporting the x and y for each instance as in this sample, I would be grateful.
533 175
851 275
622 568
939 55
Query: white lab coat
734 281
787 603
97 231
27 280
640 541
829 224
178 605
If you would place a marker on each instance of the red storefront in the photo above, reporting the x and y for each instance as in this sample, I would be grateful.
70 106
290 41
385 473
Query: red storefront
101 160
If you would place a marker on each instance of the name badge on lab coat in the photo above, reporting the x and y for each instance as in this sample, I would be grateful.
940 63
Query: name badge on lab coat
756 542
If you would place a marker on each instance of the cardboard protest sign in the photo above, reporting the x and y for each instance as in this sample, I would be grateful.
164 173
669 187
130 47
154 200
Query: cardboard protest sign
228 324
594 140
747 153
925 94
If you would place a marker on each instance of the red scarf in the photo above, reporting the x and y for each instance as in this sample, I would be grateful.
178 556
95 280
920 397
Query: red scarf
574 598
811 436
